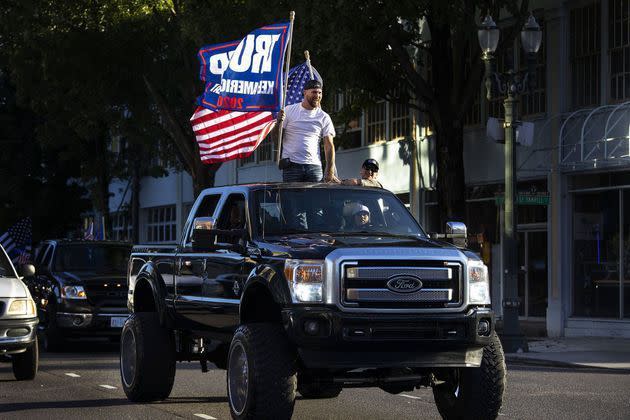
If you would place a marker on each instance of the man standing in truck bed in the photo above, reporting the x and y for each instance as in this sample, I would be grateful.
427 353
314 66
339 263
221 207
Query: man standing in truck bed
304 124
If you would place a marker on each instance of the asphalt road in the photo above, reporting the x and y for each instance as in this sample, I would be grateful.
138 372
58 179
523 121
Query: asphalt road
85 384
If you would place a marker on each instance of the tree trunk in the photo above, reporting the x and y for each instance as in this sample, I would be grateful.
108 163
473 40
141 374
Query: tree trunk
203 176
103 179
450 175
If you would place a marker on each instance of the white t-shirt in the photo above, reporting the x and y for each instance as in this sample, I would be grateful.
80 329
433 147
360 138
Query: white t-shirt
303 130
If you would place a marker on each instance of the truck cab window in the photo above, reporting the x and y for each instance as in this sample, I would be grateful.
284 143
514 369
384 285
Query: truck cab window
233 213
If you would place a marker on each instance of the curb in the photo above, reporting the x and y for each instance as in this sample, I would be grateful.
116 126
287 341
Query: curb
553 363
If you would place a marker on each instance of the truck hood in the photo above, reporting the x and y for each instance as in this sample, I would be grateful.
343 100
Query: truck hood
12 287
89 277
317 246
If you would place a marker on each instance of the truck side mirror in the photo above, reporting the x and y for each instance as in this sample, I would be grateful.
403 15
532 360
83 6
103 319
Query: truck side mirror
457 234
204 223
26 270
203 236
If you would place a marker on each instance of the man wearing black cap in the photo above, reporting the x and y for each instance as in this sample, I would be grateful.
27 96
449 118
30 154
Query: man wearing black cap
304 124
368 172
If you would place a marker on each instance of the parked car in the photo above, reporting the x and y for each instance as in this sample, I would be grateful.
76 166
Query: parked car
18 321
311 288
80 289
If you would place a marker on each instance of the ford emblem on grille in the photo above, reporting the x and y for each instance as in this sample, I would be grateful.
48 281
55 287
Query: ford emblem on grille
404 284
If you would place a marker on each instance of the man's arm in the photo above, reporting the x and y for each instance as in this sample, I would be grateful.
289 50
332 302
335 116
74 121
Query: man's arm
329 151
351 181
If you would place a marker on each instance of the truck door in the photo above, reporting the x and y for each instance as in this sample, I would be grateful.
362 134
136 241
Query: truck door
204 289
223 280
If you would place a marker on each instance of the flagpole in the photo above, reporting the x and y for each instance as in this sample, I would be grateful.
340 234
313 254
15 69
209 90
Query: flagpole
286 81
308 63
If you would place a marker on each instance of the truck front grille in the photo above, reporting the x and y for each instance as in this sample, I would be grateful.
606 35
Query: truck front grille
111 295
364 284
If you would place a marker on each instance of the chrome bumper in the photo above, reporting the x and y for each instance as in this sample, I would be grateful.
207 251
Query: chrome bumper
74 320
16 335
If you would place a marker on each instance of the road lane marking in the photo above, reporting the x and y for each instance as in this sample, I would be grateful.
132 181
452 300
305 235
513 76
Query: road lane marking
205 416
108 387
411 396
72 375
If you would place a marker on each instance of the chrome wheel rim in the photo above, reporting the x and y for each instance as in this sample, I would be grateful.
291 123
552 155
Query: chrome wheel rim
238 378
128 357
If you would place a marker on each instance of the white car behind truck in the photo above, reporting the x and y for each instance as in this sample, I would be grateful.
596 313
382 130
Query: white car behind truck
18 320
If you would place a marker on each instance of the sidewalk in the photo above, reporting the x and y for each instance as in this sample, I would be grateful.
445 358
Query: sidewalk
593 352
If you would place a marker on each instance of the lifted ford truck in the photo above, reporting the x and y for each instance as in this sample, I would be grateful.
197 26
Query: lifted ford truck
311 288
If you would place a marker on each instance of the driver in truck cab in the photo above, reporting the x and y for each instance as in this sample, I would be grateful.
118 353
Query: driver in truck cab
358 216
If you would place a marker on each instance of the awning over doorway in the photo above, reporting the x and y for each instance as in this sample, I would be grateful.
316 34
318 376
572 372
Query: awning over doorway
596 138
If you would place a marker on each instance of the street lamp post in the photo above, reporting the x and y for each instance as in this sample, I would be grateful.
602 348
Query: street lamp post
509 86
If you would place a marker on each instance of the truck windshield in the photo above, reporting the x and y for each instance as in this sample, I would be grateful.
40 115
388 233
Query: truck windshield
333 211
85 257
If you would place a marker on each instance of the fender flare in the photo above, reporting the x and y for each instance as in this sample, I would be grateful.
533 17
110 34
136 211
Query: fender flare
148 273
272 280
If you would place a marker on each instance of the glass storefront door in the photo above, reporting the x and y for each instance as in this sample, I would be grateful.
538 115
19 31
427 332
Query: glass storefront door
532 276
597 239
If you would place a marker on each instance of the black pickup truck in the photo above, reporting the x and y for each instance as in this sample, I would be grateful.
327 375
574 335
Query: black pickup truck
80 289
311 288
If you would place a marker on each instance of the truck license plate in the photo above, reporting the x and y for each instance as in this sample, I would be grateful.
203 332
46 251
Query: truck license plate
118 321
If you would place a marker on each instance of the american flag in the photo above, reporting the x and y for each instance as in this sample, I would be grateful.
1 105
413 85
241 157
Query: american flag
298 76
17 241
224 135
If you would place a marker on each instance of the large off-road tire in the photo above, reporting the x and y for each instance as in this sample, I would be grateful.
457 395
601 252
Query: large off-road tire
25 364
474 393
261 374
147 358
311 388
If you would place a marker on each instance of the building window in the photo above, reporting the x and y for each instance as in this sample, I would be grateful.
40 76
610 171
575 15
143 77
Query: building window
534 102
585 44
249 159
401 121
376 120
161 224
619 49
264 151
348 112
121 226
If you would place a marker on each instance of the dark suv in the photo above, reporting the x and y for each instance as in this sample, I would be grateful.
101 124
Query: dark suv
80 289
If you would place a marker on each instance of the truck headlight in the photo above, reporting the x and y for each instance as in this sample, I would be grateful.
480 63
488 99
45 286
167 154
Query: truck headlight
478 283
73 292
305 279
21 307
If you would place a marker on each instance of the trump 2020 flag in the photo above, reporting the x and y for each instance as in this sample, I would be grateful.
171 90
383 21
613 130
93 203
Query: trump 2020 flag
243 88
17 241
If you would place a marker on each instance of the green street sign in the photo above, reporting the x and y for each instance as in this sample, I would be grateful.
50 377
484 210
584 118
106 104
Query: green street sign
526 199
